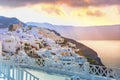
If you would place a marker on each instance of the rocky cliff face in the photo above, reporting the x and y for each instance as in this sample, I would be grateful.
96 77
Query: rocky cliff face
90 54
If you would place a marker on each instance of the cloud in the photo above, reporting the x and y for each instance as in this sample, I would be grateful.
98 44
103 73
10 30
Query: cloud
96 13
85 3
79 14
118 8
73 3
52 10
17 3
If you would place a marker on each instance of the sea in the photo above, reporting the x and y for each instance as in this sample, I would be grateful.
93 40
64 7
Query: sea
107 50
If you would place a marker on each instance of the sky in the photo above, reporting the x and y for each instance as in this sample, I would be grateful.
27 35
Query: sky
63 12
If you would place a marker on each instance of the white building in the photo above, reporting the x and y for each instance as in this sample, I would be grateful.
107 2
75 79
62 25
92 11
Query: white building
10 44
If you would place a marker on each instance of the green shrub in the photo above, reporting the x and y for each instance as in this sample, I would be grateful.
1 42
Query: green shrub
91 61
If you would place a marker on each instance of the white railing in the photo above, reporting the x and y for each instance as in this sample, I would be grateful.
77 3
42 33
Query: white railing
95 72
10 71
89 71
103 71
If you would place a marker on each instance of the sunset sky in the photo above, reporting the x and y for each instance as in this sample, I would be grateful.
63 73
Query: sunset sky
63 12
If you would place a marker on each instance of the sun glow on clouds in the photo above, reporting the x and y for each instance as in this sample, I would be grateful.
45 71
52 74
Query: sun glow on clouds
85 16
64 14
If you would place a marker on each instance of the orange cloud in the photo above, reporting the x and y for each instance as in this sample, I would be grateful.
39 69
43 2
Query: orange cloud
68 12
88 1
96 13
52 10
118 10
73 3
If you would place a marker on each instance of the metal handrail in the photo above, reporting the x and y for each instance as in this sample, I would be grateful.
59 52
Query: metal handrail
15 72
94 71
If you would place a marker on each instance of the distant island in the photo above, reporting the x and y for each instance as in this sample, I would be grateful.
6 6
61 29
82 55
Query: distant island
84 33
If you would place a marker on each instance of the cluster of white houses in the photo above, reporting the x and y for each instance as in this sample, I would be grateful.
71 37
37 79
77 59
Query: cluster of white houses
39 44
42 47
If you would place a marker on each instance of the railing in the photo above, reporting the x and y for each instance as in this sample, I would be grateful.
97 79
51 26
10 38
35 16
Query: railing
12 72
89 71
102 71
67 67
95 72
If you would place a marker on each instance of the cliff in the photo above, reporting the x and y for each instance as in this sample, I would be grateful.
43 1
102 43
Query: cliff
90 54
